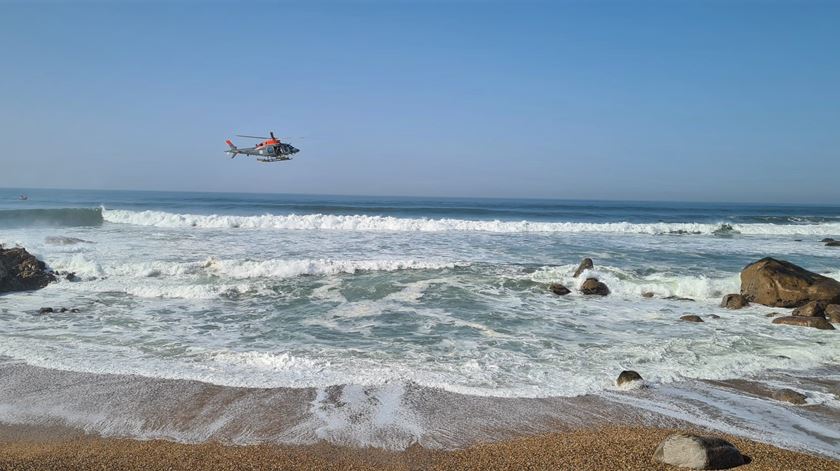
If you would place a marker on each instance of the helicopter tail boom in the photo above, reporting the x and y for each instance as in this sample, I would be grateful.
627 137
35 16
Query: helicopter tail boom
233 150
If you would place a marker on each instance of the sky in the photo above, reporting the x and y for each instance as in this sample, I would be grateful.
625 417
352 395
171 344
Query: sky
642 100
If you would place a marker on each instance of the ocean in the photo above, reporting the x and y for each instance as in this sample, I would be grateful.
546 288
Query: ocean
397 294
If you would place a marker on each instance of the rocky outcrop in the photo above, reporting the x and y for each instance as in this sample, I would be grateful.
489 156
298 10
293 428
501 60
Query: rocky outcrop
828 239
558 289
802 321
691 318
627 376
789 395
833 243
647 294
594 287
812 309
832 313
698 452
21 271
782 284
734 301
585 264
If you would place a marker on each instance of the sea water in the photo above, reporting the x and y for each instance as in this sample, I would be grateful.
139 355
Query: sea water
280 291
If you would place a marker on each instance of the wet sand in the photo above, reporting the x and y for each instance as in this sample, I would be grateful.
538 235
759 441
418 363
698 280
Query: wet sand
607 448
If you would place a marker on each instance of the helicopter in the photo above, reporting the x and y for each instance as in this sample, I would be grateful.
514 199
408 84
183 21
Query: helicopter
269 150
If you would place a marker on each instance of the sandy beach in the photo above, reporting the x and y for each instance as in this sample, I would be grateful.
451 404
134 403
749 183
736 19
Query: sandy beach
625 448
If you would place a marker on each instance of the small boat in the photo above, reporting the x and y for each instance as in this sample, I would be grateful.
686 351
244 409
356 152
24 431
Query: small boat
23 197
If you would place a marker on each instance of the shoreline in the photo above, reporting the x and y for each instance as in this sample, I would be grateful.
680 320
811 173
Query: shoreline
629 448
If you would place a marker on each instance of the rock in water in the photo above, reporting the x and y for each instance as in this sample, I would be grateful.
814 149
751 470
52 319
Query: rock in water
593 286
734 301
833 243
789 395
647 294
585 264
21 271
698 452
832 313
827 239
627 376
812 309
782 284
558 289
691 318
815 322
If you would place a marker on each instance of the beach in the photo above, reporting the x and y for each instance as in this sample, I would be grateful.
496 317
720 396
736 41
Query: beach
595 449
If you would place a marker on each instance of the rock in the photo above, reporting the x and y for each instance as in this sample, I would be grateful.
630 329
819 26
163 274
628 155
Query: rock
774 314
782 284
74 310
815 322
585 264
627 376
789 395
812 309
21 271
691 318
678 298
833 243
647 294
734 301
832 313
714 316
698 452
593 286
827 239
558 289
45 310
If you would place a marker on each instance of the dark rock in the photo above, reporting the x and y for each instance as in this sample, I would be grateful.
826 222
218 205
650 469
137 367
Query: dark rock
45 310
827 239
21 271
833 243
678 298
734 301
774 314
714 316
64 309
691 318
594 287
74 310
832 313
627 376
782 284
815 322
789 395
558 289
698 452
812 309
585 264
647 294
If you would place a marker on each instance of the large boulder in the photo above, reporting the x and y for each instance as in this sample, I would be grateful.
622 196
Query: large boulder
627 376
833 243
21 271
802 321
594 287
698 452
782 284
585 264
558 289
734 301
812 309
832 313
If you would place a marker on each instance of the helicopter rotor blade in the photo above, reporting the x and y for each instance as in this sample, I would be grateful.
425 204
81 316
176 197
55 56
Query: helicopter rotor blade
252 137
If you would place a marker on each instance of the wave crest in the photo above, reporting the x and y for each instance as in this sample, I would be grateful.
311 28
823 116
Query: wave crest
392 224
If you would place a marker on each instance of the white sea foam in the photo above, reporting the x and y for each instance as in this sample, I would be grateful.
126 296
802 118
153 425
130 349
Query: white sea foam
388 223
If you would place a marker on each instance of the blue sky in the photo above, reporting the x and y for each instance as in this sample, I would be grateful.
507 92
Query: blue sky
668 100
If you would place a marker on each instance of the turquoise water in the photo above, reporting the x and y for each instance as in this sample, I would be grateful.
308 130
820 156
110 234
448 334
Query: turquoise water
311 291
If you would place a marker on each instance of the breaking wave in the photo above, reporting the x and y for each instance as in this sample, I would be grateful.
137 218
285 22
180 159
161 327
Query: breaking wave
392 224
